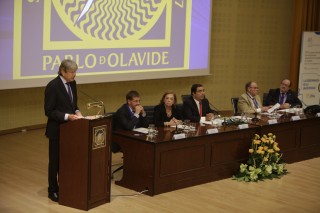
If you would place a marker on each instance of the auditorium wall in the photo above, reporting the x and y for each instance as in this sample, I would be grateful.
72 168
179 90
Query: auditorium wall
251 40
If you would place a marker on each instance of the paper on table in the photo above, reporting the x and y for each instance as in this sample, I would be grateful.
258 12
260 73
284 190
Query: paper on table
274 107
203 120
180 126
240 117
141 130
216 121
90 117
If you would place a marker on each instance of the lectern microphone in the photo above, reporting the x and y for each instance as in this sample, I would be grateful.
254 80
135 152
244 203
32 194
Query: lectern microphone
97 104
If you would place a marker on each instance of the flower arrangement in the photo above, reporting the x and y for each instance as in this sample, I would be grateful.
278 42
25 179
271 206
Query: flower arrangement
264 161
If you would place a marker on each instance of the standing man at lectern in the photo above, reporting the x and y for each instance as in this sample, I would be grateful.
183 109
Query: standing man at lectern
197 106
60 106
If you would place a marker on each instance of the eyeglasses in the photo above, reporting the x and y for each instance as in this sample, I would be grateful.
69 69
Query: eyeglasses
136 101
254 87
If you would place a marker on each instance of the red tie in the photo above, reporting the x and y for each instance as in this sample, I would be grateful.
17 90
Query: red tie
200 109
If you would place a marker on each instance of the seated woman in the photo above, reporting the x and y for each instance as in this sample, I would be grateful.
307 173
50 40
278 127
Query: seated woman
167 113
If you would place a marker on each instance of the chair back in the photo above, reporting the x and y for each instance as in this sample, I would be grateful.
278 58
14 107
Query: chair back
149 112
234 102
264 99
184 97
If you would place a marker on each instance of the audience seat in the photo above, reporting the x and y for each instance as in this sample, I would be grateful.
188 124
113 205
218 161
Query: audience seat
264 99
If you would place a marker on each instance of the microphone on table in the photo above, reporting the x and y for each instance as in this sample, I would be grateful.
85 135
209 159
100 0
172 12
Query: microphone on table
255 119
176 131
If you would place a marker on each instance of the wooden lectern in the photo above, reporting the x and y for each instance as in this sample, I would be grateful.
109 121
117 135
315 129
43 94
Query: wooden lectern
84 168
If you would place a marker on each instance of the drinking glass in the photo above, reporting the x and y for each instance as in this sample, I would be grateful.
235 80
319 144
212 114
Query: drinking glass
151 129
192 127
297 109
186 125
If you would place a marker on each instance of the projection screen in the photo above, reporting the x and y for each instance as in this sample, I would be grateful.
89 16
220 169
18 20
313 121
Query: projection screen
110 40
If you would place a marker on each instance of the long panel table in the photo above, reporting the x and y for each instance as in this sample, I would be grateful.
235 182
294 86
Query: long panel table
164 164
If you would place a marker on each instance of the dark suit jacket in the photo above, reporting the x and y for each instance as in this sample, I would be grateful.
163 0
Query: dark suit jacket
160 115
56 104
125 121
274 94
190 109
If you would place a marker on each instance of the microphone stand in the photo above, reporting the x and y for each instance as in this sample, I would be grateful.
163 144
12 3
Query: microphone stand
255 119
224 123
176 131
215 109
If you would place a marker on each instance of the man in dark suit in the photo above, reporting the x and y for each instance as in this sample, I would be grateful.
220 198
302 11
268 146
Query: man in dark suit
283 95
60 106
196 106
131 115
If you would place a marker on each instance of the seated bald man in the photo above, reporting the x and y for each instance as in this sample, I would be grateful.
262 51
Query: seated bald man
283 95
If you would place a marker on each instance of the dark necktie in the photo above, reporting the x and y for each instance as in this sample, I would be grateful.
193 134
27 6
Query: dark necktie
282 95
69 92
200 108
255 103
132 115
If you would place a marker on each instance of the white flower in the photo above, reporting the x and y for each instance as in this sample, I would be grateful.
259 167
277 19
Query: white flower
243 167
280 168
268 169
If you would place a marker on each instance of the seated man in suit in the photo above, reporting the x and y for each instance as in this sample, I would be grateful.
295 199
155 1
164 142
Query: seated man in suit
250 102
131 115
197 105
283 95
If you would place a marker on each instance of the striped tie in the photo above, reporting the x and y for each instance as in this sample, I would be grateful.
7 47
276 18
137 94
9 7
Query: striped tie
281 98
255 103
69 92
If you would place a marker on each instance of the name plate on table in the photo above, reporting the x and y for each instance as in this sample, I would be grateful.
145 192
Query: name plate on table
212 131
243 126
318 114
295 118
179 136
272 121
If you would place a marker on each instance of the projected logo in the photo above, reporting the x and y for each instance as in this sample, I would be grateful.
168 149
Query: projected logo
111 23
102 36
